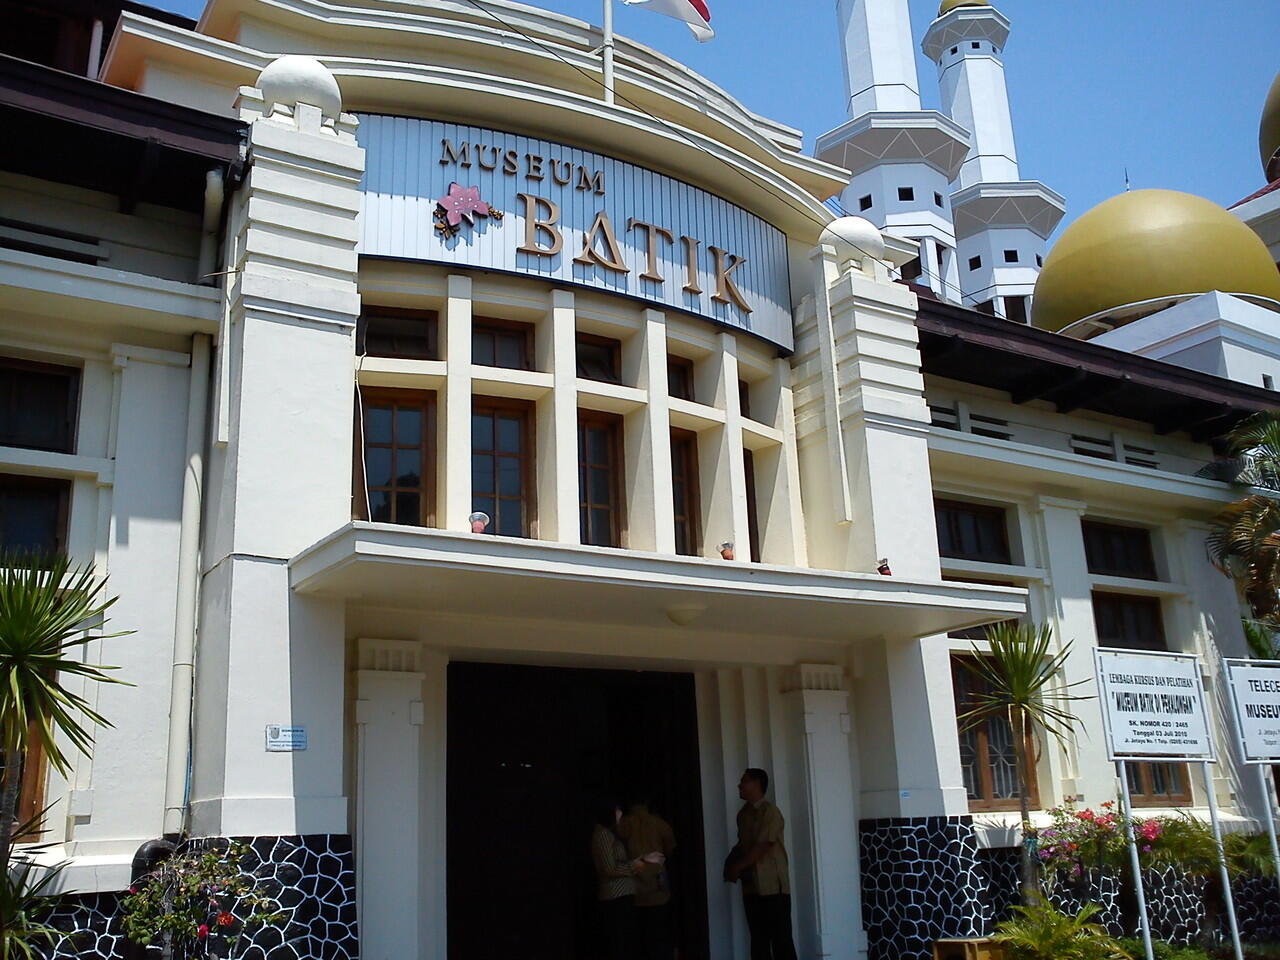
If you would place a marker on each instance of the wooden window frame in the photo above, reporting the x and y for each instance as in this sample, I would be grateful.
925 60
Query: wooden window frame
72 376
692 506
944 503
614 422
427 497
1144 797
685 365
615 354
430 317
1149 572
32 784
528 463
63 486
986 781
500 325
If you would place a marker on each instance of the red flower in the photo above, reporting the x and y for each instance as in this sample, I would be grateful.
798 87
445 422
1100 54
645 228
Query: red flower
202 931
225 919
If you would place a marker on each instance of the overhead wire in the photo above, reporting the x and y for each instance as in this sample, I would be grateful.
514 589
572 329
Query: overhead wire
598 81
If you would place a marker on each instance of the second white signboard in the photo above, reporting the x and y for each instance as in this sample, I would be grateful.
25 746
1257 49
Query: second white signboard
1153 706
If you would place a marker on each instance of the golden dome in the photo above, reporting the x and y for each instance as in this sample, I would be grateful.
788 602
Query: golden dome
1146 245
1269 131
948 5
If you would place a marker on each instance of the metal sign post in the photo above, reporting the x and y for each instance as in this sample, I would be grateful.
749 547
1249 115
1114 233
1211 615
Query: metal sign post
607 50
1154 711
1123 771
1254 686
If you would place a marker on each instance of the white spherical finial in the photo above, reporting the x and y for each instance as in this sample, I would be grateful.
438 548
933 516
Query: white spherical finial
294 79
854 237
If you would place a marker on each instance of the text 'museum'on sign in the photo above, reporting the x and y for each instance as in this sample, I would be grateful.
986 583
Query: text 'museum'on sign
1153 706
1255 697
570 216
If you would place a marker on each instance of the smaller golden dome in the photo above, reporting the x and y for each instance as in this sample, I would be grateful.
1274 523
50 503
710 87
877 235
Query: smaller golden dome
948 5
1269 132
1149 245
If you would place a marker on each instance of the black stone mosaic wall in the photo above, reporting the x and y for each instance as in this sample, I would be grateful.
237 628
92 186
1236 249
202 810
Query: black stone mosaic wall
313 878
921 881
1257 908
1175 905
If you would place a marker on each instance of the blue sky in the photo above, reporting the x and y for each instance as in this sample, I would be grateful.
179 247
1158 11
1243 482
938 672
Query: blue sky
1172 89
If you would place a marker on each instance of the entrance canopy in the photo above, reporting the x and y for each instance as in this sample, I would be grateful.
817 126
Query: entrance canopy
459 573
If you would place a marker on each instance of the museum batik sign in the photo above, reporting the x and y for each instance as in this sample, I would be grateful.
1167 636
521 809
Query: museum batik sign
1153 705
474 197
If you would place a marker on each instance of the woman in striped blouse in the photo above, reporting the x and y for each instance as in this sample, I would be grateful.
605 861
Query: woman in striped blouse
616 882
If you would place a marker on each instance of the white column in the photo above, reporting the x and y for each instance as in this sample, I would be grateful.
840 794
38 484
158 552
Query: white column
647 442
975 95
721 468
831 814
389 723
453 469
291 309
1070 612
557 415
879 56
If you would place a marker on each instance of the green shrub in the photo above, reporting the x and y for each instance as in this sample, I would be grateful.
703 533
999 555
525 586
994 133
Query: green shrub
1042 932
1165 951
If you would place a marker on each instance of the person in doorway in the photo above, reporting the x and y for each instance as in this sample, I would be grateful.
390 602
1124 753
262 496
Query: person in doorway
761 864
616 882
643 831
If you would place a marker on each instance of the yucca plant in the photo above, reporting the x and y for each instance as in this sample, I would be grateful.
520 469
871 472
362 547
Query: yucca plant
49 609
1020 683
1040 931
25 901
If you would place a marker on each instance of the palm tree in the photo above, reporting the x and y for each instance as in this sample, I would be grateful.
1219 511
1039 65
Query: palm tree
49 609
1019 674
1245 537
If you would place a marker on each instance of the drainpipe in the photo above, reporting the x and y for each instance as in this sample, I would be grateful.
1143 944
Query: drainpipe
214 193
184 627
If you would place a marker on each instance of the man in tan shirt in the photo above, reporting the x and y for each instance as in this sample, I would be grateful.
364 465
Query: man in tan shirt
643 830
761 865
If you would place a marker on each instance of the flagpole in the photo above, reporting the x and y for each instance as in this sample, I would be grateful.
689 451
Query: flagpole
607 51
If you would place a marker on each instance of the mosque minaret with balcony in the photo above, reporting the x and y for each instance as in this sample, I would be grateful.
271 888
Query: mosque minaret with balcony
902 158
1001 221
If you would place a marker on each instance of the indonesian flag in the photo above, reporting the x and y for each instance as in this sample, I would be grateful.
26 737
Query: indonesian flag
692 12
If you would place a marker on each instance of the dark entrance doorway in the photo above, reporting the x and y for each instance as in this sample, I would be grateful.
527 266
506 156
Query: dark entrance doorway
530 749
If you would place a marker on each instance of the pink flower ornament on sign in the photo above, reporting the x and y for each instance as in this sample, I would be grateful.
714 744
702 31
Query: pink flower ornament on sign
461 203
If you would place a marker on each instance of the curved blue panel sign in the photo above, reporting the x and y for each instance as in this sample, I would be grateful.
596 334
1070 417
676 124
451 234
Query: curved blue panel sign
454 194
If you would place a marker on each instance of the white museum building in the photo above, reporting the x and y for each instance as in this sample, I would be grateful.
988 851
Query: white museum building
462 447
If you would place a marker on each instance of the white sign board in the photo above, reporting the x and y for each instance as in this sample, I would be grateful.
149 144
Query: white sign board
1153 706
281 739
1255 698
476 197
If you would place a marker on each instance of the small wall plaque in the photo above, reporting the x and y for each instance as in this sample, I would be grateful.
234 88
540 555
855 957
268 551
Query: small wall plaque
285 739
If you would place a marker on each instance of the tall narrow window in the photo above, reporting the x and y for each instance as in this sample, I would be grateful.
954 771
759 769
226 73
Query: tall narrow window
1116 550
1135 623
501 343
753 523
393 332
502 478
987 758
679 377
744 399
30 781
33 513
399 457
971 531
684 491
38 405
600 478
599 358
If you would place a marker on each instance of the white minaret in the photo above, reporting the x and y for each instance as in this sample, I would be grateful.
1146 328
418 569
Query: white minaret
902 158
1001 221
